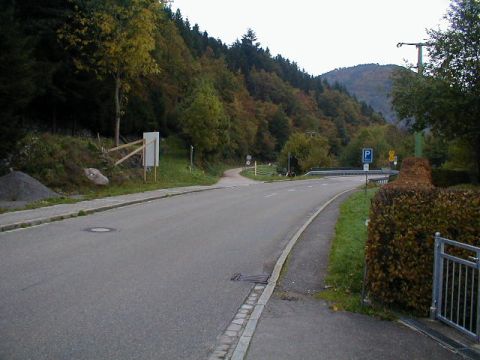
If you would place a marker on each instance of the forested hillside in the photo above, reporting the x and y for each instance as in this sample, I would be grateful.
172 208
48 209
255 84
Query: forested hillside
59 73
371 83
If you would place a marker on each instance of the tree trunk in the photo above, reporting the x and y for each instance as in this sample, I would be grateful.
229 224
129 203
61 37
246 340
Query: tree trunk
117 109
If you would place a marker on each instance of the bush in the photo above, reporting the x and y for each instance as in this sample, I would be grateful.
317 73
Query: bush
57 161
446 178
404 217
415 172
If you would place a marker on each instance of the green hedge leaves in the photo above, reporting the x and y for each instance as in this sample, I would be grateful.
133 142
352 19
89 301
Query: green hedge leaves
404 217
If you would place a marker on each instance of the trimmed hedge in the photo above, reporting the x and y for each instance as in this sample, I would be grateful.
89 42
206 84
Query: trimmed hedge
415 173
404 217
446 178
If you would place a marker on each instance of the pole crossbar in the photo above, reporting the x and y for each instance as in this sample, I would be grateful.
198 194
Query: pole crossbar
124 146
134 151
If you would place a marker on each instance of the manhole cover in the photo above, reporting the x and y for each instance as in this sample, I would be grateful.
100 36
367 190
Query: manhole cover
256 279
99 229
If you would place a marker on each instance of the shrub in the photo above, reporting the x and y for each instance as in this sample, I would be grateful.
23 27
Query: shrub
415 172
446 178
404 217
57 161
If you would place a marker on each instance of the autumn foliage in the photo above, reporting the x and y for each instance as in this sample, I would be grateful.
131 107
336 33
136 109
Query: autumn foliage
84 67
404 217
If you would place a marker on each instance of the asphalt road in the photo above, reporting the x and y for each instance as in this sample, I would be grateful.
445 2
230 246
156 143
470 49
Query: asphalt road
158 286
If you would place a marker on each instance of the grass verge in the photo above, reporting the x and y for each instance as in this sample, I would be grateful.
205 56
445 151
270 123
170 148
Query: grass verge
347 259
264 173
58 161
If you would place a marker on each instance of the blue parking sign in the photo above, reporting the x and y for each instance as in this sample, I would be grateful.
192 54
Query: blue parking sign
367 155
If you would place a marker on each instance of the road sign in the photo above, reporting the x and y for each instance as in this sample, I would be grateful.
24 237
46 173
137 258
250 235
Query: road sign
367 155
248 162
366 167
152 151
391 155
249 157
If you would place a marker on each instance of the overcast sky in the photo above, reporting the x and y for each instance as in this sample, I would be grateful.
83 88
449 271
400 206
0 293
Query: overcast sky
322 35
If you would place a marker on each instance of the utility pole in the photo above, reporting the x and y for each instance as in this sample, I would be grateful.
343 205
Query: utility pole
418 135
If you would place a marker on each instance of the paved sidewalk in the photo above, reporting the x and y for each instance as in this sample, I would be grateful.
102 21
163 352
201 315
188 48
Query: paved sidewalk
296 326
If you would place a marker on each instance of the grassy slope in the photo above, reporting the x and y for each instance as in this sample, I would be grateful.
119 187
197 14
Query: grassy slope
347 257
58 161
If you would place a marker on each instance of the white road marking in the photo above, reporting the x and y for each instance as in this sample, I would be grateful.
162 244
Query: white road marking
24 228
270 195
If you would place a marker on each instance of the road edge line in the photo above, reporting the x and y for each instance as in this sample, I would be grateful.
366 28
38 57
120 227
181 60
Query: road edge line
244 341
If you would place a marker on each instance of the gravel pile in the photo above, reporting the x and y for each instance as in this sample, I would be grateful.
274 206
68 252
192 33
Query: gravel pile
18 186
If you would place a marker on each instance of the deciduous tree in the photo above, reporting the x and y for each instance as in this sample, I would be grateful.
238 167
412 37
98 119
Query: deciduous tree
307 151
447 98
115 39
204 120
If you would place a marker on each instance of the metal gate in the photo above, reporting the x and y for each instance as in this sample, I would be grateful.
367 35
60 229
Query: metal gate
456 281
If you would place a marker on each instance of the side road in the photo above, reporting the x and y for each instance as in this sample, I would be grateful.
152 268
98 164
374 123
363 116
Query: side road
294 325
23 218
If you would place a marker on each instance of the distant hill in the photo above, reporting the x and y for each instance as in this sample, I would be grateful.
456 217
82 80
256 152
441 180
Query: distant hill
370 83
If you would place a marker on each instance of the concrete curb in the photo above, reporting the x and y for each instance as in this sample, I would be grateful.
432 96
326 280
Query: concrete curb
88 211
465 351
244 342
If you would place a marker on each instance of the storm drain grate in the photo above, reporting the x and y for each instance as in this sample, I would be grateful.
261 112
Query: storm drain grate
256 279
99 229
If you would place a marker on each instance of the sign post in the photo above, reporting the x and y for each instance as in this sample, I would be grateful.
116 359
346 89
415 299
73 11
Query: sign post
288 164
367 159
191 158
248 160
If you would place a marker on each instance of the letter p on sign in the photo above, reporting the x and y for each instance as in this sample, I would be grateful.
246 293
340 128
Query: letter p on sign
367 155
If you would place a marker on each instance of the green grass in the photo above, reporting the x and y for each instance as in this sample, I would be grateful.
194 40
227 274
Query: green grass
172 172
264 173
347 258
60 167
51 202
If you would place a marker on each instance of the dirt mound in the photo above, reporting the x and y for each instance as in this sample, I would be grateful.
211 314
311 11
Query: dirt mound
18 186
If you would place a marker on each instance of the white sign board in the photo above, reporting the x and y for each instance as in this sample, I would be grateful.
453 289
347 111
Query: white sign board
152 153
366 167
